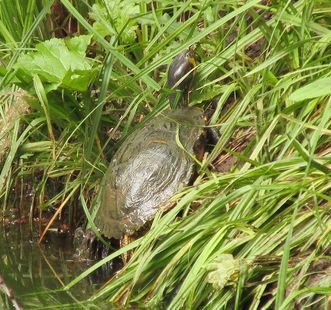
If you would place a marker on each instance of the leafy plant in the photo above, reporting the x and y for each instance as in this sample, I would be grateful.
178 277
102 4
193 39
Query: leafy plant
58 63
116 18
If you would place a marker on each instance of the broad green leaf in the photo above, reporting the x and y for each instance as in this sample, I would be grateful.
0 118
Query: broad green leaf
58 63
319 88
78 79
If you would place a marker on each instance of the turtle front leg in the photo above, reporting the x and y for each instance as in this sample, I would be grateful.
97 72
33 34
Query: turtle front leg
85 244
213 135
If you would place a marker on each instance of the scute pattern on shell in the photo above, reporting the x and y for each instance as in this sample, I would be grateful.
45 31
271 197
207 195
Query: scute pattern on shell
147 170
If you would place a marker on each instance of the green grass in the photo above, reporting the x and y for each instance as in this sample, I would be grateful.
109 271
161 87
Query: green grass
265 68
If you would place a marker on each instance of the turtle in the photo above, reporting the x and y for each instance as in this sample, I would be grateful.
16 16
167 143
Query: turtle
155 161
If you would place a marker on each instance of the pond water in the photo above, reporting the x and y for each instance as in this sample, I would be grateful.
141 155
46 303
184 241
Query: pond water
32 275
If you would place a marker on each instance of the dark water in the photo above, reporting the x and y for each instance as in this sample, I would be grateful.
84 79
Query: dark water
32 276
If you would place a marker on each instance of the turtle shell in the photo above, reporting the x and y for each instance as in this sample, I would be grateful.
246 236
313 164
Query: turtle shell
147 170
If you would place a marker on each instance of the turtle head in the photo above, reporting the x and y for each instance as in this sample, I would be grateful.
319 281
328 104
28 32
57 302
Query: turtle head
180 76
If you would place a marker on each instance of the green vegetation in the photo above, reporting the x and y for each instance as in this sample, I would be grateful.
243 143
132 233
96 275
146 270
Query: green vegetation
254 230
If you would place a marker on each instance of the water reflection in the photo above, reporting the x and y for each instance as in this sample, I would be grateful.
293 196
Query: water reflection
36 273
